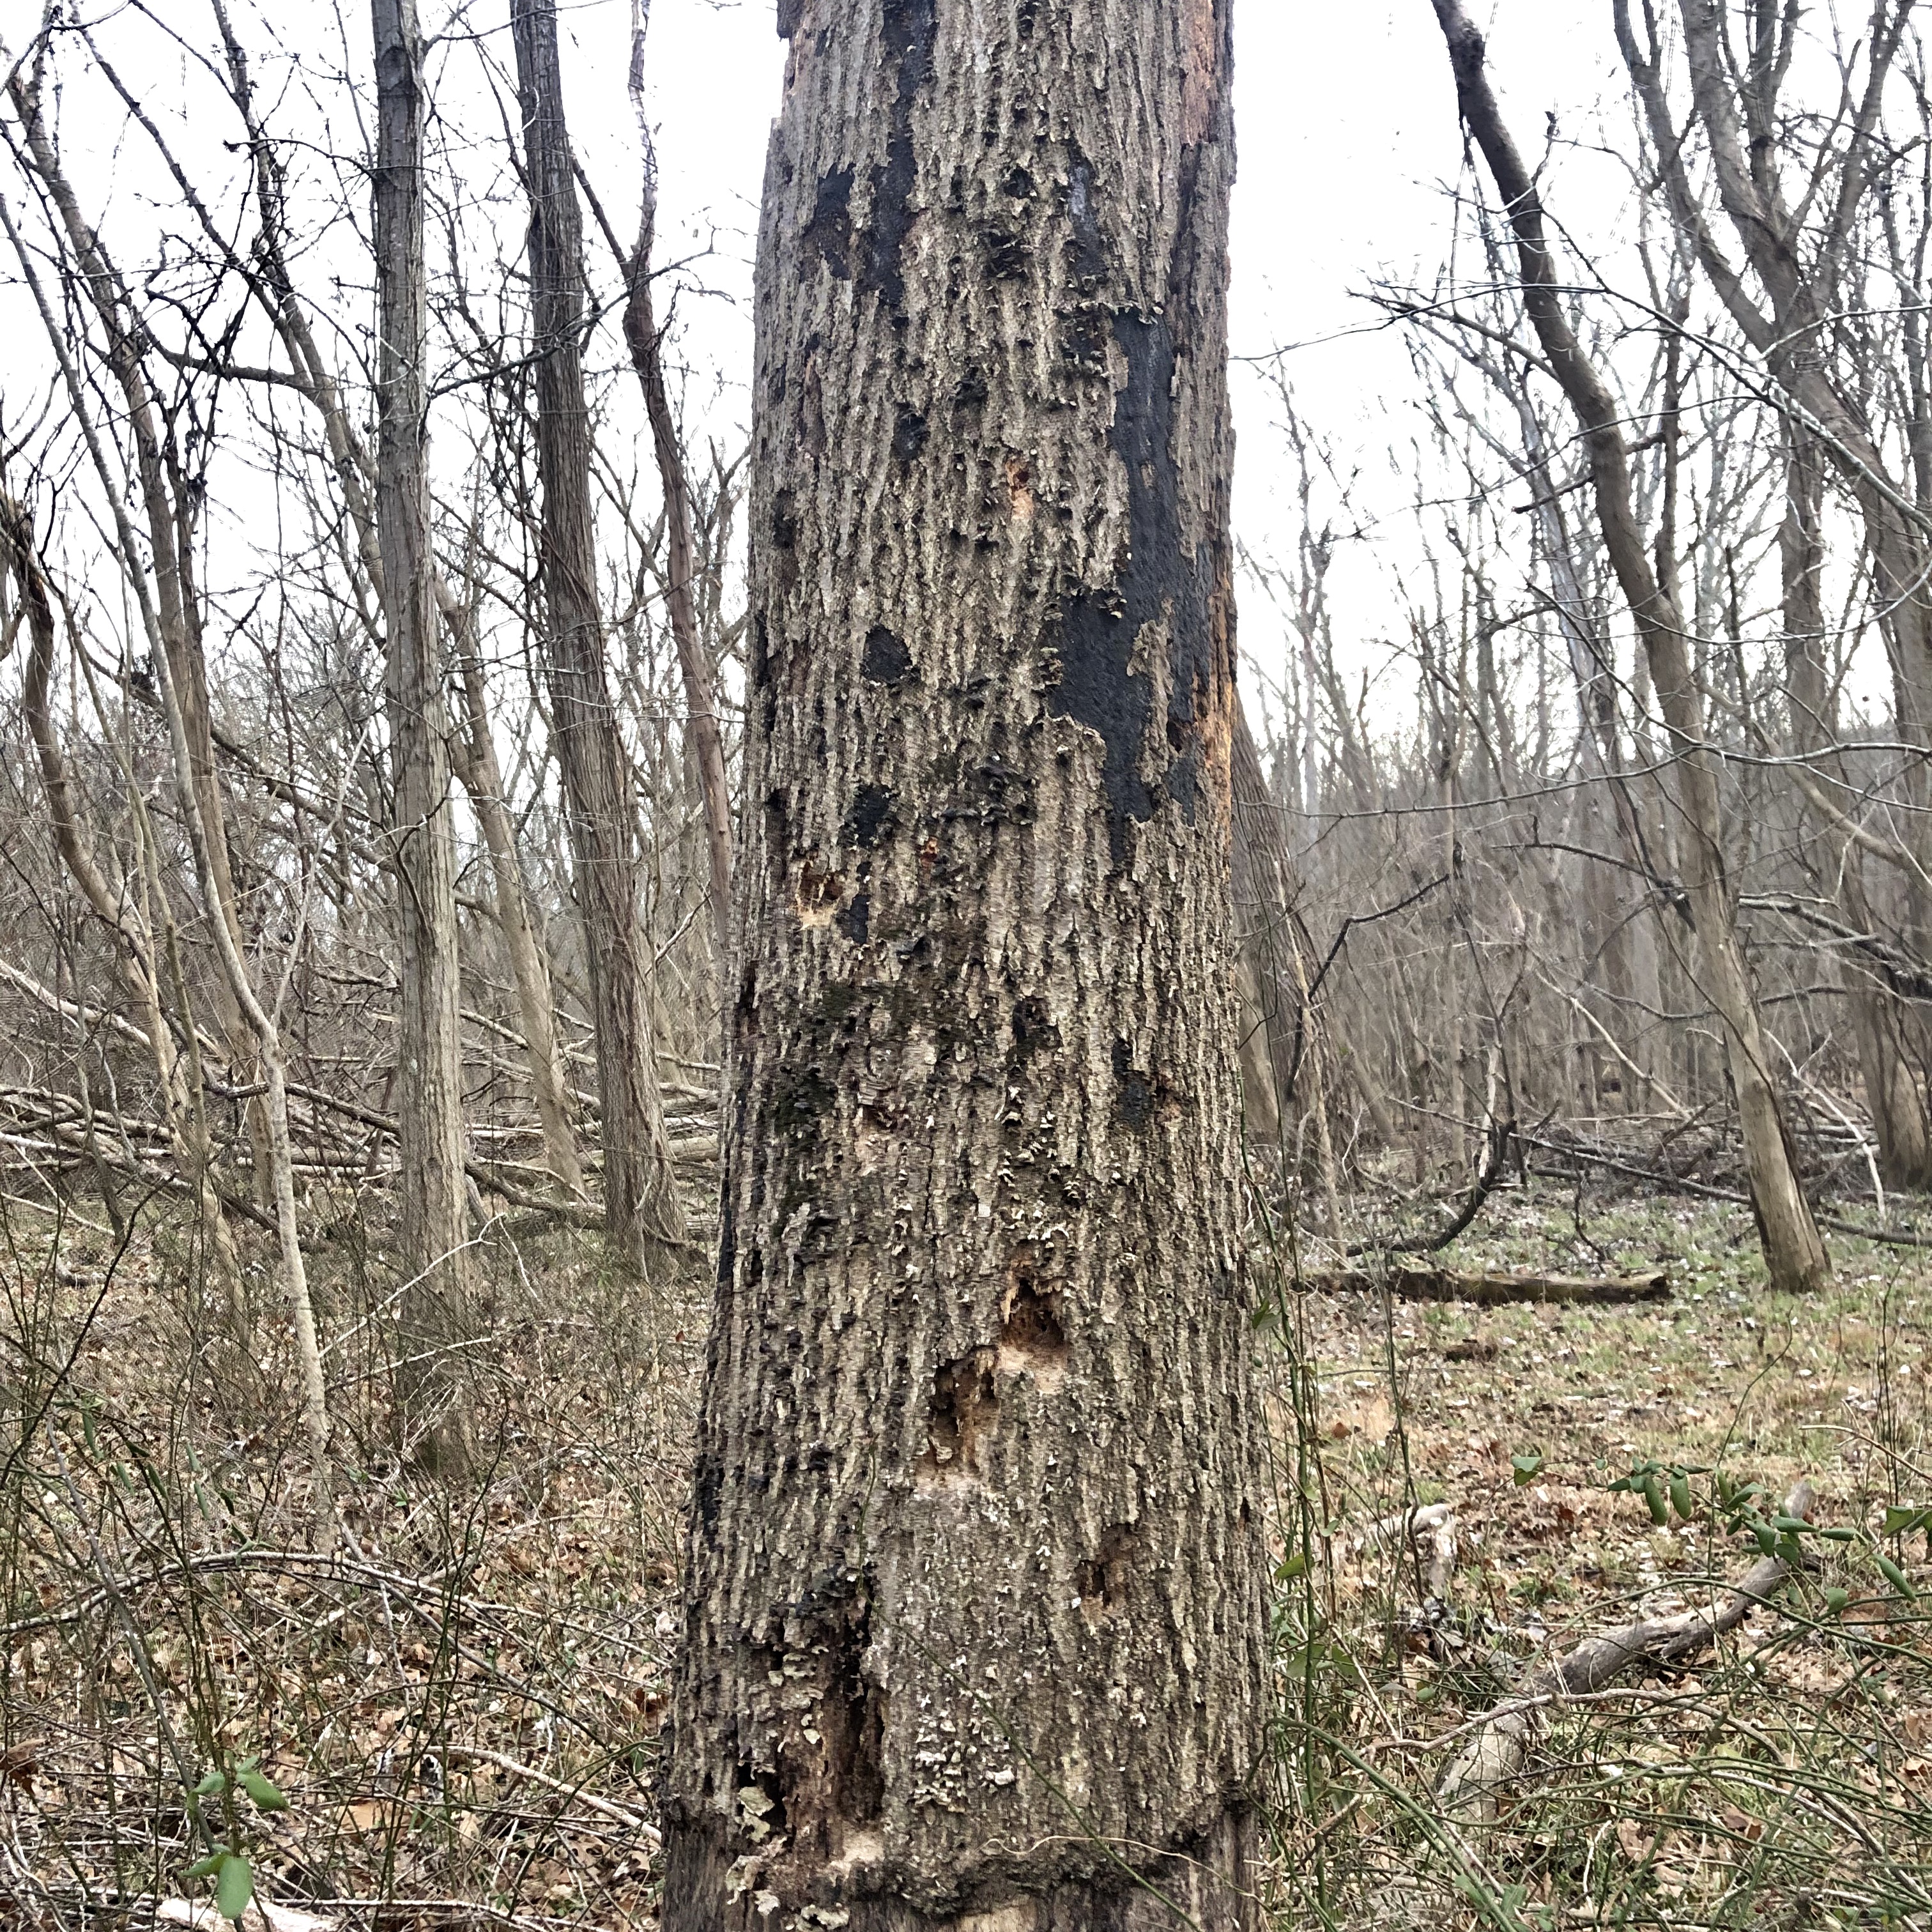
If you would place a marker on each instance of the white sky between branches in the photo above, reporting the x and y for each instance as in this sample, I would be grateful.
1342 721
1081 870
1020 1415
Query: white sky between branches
1348 137
1346 126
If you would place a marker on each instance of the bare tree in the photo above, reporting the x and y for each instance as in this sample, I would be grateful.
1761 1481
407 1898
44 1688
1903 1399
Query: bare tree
646 341
1794 1253
640 1202
432 1210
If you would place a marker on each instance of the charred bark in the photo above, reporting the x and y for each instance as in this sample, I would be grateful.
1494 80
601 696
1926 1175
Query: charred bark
974 1627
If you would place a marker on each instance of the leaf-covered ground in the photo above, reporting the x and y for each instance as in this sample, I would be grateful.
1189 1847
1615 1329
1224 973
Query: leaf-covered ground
462 1707
1785 1776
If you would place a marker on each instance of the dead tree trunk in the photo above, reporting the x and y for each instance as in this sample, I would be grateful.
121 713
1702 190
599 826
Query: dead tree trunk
432 1210
1794 1253
640 1200
703 736
974 1625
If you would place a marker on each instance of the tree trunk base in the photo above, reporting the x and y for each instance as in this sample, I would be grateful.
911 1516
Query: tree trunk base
1211 1882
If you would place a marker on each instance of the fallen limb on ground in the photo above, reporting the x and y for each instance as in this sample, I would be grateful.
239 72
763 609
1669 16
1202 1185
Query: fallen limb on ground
1428 1283
1431 1531
1473 1787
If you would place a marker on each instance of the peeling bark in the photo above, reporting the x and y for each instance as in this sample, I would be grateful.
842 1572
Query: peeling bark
975 1632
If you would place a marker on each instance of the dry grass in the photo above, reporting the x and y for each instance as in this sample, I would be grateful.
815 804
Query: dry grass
1785 1780
464 1711
464 1706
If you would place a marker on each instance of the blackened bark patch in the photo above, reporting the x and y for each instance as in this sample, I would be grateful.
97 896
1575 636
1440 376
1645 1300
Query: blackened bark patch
855 921
1083 338
1106 1576
1006 794
828 232
1099 628
886 659
1133 1091
1005 256
965 1406
1033 1030
1019 183
870 811
800 1100
1090 257
785 520
789 11
707 1489
1195 635
909 435
784 542
910 28
1032 1335
852 1720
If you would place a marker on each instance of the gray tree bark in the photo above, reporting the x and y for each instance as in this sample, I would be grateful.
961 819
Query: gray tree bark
1878 1019
431 1207
642 1211
974 1632
473 753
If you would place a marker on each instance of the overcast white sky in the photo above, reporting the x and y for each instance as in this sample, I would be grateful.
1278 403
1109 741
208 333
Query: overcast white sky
1347 128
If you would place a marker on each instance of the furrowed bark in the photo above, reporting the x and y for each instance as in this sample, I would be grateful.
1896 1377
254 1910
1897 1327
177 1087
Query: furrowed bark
974 1633
1794 1252
432 1211
642 1209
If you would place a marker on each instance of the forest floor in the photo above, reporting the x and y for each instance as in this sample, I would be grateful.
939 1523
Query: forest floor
1784 1778
462 1711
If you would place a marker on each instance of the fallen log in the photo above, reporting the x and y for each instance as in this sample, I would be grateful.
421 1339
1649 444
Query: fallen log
1490 1287
1473 1788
